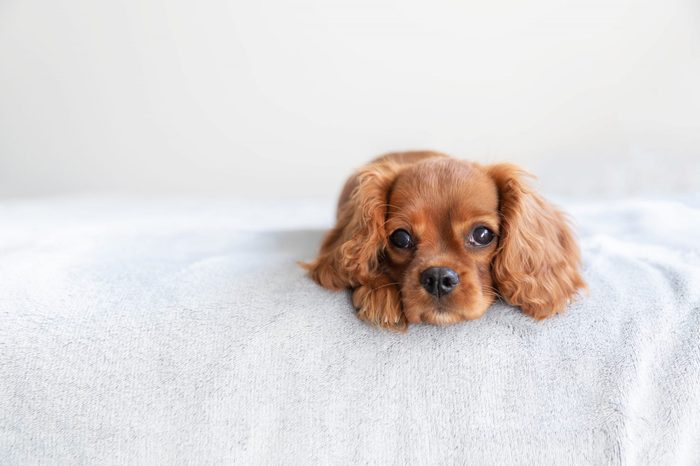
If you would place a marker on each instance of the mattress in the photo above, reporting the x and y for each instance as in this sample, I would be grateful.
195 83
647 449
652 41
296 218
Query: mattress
182 331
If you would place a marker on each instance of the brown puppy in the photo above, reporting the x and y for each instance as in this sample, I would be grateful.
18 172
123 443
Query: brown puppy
423 237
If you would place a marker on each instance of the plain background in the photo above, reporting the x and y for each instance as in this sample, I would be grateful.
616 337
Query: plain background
283 99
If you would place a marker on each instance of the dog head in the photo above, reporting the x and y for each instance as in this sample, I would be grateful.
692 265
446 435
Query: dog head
452 235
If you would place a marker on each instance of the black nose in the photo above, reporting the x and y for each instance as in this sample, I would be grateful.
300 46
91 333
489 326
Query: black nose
439 281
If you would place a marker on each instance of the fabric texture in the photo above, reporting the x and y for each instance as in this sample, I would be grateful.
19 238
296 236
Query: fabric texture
183 332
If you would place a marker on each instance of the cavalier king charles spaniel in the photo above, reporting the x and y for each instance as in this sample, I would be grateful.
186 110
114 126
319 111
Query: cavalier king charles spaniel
423 237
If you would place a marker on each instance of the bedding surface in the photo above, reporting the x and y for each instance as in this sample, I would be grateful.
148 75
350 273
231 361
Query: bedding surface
182 331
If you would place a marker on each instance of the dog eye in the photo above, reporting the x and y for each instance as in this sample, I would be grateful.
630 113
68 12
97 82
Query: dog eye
401 239
481 236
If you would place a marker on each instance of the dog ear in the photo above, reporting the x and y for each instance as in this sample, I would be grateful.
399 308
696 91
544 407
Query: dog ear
536 266
351 252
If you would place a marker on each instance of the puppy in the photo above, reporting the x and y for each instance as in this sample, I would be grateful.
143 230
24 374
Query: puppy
423 237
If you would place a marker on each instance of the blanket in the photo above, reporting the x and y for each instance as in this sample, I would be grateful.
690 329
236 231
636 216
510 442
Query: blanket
182 331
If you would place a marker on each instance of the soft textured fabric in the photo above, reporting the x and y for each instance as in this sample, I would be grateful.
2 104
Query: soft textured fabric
183 332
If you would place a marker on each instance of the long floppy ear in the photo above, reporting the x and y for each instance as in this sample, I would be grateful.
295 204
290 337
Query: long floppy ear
537 262
351 252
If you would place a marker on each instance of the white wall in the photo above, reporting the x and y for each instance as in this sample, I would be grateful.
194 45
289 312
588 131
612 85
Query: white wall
284 98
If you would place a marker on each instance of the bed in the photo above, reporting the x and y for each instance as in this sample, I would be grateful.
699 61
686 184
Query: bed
182 331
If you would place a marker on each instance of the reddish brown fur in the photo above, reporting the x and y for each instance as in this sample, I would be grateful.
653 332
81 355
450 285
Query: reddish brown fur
533 264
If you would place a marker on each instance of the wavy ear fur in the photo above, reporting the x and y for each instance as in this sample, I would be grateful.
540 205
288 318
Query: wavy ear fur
351 252
536 266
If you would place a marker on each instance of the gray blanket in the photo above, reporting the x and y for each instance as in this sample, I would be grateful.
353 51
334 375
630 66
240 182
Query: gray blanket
182 332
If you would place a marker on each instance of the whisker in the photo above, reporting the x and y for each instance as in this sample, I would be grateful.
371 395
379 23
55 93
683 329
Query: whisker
398 217
388 284
494 291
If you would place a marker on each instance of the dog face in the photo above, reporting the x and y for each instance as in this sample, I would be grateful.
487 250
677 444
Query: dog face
442 228
422 237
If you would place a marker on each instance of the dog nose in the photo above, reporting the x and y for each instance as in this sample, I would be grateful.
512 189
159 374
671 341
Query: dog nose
439 281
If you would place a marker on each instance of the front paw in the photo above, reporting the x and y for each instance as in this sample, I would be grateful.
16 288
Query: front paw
380 306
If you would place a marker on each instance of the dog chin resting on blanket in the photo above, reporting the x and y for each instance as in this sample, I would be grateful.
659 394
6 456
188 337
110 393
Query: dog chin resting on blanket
423 237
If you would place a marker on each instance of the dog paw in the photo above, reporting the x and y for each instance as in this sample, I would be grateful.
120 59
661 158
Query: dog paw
380 306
